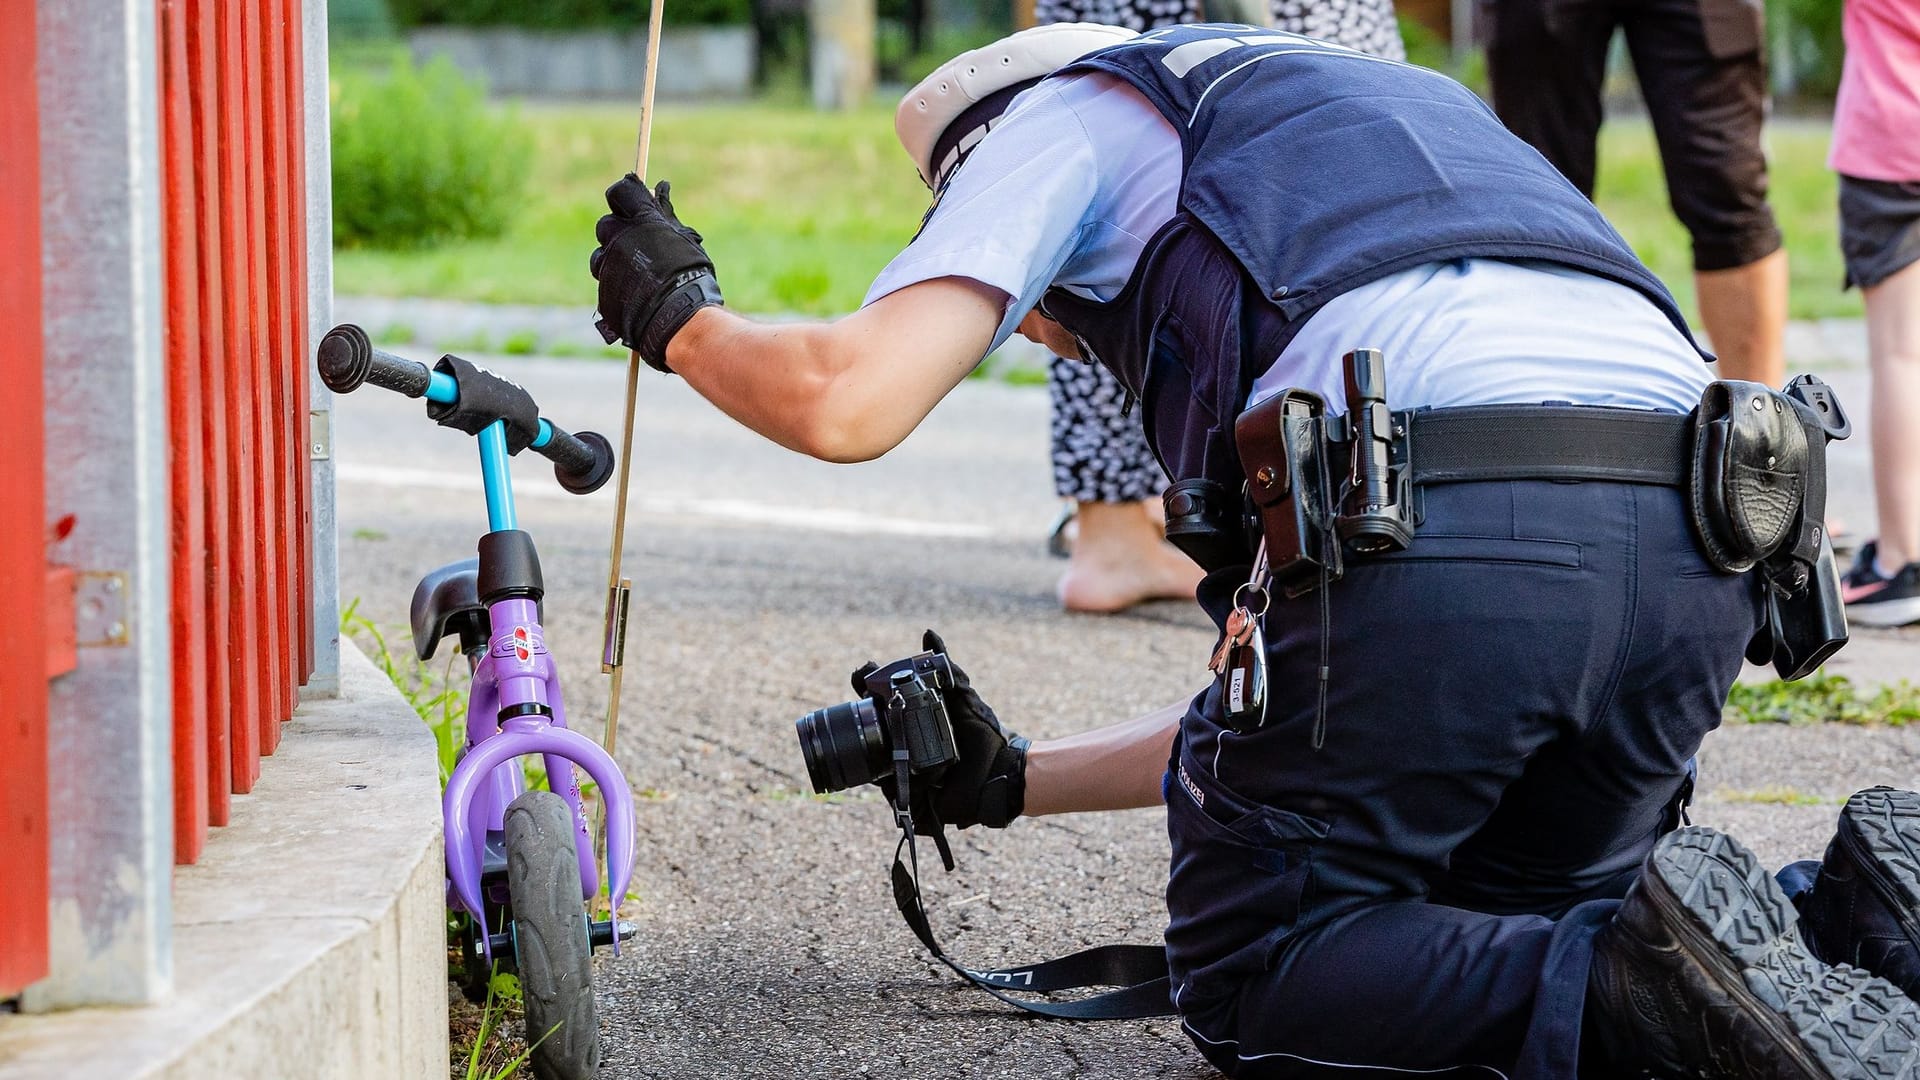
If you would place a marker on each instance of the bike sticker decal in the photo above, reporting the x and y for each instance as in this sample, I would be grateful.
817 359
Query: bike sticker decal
522 644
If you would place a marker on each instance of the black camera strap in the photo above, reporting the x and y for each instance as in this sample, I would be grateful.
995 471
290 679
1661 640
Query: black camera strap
1140 971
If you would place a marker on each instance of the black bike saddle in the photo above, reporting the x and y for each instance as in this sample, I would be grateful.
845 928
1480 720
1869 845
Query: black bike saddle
447 602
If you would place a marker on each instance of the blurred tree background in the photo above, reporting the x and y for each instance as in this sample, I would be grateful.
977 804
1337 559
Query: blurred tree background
442 192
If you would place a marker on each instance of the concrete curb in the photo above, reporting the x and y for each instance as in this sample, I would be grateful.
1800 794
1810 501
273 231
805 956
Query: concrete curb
310 939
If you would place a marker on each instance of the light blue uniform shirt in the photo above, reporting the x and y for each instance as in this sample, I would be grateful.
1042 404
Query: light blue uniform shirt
1081 172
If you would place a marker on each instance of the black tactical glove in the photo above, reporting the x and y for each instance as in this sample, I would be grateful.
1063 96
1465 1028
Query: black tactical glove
653 273
988 784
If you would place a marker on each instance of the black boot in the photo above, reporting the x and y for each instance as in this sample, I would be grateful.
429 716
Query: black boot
1702 973
1864 907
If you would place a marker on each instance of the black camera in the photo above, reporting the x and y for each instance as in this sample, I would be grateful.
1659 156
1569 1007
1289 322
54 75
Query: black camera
853 742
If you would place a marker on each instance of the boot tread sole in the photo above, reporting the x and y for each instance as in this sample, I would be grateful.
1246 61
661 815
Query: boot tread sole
1887 823
1833 1023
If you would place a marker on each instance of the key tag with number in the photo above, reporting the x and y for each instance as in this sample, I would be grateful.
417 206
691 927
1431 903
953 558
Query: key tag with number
1241 660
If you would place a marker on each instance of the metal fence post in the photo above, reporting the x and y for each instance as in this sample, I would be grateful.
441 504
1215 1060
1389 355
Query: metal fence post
325 681
109 737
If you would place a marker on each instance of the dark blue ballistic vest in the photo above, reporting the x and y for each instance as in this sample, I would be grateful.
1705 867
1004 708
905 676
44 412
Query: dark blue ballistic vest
1308 170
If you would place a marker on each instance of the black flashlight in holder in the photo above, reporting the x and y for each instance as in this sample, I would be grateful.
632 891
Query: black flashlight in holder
1376 512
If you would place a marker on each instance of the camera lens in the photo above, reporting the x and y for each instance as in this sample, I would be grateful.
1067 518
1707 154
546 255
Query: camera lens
845 745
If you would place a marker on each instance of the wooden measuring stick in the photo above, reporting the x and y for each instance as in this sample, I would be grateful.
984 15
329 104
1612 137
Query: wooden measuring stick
619 588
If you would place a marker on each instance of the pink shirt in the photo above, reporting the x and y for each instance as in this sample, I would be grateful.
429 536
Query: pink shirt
1876 121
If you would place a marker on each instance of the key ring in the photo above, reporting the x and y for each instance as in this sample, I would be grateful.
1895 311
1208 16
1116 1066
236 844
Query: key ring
1248 589
1255 583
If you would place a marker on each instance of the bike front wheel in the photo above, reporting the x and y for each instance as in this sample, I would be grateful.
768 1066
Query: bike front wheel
550 940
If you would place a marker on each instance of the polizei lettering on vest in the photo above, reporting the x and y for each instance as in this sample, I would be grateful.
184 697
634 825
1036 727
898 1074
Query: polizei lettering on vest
1183 58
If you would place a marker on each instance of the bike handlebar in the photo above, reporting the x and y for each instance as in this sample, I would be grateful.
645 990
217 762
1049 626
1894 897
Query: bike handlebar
347 360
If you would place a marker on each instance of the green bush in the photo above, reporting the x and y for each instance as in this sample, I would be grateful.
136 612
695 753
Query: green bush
565 14
418 158
1813 36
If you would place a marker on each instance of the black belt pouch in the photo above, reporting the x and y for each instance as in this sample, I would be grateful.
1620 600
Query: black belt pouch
1758 497
1283 448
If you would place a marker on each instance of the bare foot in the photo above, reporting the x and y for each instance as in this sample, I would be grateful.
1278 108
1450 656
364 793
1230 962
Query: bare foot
1121 558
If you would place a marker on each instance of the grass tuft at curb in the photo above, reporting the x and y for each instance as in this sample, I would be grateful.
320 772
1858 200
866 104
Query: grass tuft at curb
1823 699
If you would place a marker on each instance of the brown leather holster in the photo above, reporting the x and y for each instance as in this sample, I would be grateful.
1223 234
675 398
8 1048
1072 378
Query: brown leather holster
1283 449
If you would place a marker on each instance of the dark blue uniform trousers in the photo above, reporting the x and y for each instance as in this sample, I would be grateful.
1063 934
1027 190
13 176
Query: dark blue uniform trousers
1512 705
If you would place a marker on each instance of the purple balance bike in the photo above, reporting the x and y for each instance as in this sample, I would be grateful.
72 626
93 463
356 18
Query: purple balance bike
520 864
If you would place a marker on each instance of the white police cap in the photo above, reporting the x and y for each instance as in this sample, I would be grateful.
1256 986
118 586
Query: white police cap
972 77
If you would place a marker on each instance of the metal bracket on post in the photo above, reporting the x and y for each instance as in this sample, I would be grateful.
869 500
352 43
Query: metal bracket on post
102 612
320 434
613 650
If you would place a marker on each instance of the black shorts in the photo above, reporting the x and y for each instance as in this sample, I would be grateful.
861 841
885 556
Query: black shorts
1879 228
1703 77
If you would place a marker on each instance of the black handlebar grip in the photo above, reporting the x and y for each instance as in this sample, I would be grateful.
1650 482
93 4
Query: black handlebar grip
581 463
348 359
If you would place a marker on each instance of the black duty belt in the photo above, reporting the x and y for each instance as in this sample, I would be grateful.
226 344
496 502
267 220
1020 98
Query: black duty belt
1543 442
1329 488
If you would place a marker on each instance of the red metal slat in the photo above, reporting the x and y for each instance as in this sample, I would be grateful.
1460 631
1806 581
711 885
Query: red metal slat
23 560
291 41
274 620
226 698
285 357
185 462
61 617
250 640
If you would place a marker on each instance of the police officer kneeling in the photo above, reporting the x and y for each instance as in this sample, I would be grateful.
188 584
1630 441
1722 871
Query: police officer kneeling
1447 838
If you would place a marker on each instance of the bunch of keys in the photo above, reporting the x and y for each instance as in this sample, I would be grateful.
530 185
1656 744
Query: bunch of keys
1240 663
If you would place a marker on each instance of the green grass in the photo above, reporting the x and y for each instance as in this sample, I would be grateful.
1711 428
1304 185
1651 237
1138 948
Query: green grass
801 209
1823 698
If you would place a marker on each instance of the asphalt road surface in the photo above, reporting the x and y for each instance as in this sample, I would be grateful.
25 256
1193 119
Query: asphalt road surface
768 944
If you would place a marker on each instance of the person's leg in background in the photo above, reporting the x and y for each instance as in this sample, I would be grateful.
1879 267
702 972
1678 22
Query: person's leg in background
1101 460
1893 342
1546 61
1880 236
1744 311
1702 71
1118 556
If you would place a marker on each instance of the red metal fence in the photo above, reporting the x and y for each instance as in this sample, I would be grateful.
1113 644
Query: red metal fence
24 581
239 487
232 130
233 252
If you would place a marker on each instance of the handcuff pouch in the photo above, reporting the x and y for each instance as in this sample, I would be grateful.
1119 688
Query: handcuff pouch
1806 619
1751 458
1283 448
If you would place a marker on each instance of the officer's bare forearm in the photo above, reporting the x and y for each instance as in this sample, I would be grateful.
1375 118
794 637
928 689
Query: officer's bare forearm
1118 767
847 390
